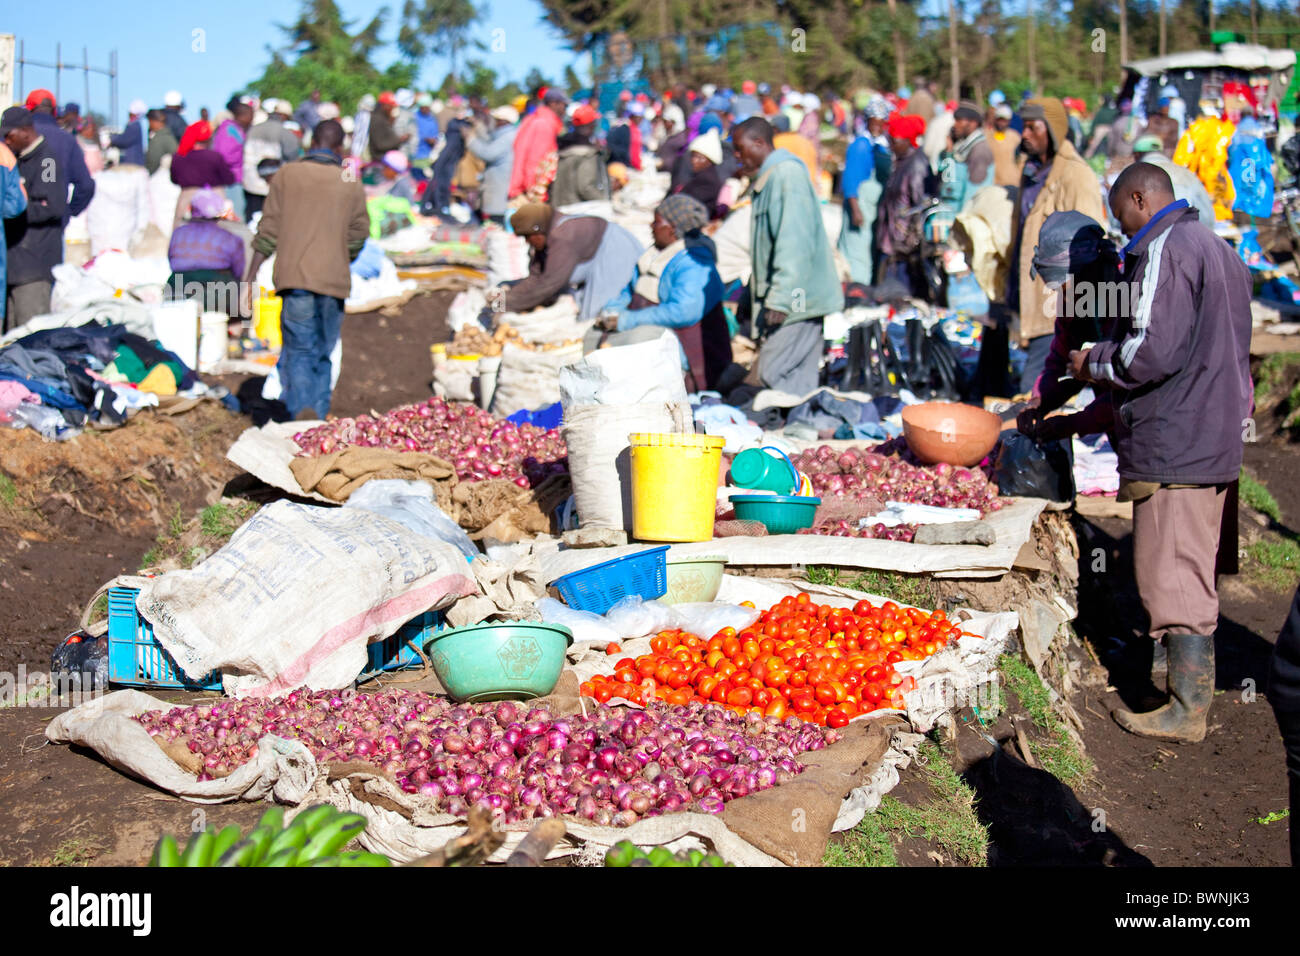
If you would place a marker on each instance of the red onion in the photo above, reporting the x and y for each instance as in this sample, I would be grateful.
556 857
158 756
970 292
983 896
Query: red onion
610 766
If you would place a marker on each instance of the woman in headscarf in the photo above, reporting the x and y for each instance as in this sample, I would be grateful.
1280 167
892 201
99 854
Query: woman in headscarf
683 168
196 167
207 261
675 286
706 179
584 251
898 224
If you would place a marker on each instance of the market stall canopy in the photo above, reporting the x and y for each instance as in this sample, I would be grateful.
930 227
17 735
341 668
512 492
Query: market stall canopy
1239 56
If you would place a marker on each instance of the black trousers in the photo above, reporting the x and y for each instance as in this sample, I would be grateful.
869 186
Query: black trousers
1289 723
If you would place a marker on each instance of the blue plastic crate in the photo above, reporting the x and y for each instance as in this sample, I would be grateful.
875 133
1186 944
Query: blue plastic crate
601 586
136 659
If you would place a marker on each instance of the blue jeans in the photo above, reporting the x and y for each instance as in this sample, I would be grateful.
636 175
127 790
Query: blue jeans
310 325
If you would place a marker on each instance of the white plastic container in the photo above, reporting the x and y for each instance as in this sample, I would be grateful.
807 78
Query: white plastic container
213 339
176 327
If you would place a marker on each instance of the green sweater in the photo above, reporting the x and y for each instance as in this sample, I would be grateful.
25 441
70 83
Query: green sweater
794 267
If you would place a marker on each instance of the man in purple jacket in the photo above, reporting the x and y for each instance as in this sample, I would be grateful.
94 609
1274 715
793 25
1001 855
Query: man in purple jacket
1180 364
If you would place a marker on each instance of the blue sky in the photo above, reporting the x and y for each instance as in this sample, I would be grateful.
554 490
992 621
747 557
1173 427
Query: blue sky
154 43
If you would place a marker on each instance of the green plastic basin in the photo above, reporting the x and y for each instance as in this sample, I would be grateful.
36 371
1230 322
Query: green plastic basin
512 661
693 579
780 514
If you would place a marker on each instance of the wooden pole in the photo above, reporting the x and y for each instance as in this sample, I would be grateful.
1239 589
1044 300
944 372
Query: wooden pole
955 64
1164 46
1033 59
1123 32
899 59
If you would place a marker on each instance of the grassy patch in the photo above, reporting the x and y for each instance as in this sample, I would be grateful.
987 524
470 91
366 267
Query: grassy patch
223 519
1271 372
914 589
186 542
74 852
948 821
8 491
1059 756
1274 817
1258 497
1276 561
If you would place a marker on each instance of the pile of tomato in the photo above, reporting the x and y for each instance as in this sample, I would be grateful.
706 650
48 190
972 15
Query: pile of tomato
823 664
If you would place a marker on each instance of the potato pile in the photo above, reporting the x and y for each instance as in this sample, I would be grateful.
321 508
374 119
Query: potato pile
473 340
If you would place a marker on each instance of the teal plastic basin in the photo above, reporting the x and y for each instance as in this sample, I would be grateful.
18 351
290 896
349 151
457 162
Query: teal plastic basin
512 661
780 514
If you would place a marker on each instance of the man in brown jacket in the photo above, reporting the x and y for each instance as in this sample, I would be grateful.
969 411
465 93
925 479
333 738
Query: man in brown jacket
315 223
1053 177
1005 144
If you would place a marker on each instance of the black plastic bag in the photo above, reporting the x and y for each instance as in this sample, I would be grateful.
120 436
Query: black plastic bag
1025 468
82 657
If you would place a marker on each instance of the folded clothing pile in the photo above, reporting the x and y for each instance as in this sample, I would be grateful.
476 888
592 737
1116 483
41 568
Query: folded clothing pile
90 373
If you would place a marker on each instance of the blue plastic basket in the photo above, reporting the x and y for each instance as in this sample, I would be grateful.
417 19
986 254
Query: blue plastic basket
601 586
136 659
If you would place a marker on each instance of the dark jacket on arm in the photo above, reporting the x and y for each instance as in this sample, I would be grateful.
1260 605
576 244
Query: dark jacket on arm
1181 358
72 163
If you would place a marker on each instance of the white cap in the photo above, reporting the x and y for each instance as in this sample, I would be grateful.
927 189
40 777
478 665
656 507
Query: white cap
707 90
348 124
138 108
285 107
173 98
506 114
328 111
708 145
1002 111
405 98
396 160
811 101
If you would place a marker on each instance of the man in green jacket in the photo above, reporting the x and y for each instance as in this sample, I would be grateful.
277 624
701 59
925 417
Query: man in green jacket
794 282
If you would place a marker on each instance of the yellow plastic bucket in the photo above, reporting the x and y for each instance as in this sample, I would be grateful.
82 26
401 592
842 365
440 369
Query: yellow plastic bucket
266 319
674 486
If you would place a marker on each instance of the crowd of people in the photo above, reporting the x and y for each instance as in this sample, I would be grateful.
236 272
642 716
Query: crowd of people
1168 363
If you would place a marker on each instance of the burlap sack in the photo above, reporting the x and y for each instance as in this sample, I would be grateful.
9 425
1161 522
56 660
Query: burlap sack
340 473
504 512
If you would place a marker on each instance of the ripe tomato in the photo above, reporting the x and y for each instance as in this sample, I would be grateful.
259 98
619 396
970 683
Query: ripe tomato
836 717
863 608
741 697
777 709
704 686
680 697
875 693
613 647
603 693
720 691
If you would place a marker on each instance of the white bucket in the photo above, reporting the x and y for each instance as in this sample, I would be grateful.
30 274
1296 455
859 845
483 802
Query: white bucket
176 327
488 366
213 339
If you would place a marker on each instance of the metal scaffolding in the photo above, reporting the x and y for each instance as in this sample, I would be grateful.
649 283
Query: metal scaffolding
59 65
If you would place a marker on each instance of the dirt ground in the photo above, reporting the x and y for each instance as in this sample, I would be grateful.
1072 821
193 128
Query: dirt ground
90 509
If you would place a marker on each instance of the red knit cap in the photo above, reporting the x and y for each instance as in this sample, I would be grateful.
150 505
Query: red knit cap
909 128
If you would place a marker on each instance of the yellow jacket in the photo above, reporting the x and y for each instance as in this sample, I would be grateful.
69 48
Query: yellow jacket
1204 150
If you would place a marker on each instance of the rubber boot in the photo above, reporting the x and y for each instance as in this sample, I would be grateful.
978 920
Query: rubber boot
1159 659
1191 688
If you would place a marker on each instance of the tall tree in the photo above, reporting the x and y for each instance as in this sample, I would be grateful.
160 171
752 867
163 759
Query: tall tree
322 53
438 27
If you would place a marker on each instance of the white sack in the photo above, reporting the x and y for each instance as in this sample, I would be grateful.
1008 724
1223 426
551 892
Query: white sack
529 380
626 375
296 595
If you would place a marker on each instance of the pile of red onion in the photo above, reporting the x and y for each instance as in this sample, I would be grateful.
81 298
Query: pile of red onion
874 478
478 445
613 766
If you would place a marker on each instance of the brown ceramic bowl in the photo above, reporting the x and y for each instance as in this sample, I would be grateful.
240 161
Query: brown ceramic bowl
949 432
